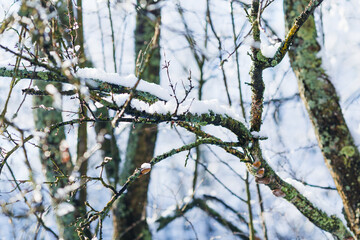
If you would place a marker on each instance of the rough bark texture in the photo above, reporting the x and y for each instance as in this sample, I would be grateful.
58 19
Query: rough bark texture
322 103
130 211
257 83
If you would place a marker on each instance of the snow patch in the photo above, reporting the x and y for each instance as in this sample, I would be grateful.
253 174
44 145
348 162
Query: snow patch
145 166
269 50
260 134
64 208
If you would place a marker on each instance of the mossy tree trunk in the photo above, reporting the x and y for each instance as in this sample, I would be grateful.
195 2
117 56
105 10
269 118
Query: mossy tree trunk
54 154
53 158
322 103
130 212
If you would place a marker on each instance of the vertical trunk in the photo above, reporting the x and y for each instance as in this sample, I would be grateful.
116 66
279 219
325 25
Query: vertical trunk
322 103
262 211
257 83
55 164
81 161
130 222
80 36
55 158
130 211
82 130
54 155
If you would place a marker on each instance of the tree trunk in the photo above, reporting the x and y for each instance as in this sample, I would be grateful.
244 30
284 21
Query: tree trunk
130 222
130 211
322 103
56 163
54 155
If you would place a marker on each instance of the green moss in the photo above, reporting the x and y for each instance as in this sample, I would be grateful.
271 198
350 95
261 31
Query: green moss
5 73
291 193
146 235
343 128
307 32
43 75
261 57
348 151
274 63
203 123
312 104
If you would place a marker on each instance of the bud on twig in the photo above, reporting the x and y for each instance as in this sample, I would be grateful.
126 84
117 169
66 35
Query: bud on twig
278 193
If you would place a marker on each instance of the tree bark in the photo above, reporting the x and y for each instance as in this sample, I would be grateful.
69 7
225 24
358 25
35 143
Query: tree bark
322 103
130 211
53 158
53 155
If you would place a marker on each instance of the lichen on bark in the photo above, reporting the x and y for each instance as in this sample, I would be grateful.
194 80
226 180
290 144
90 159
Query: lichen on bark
322 103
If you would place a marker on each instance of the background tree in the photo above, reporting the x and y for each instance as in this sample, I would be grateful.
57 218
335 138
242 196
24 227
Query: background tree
54 148
130 211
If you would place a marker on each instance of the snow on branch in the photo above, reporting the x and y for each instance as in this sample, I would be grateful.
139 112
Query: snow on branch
150 98
198 112
299 21
98 75
270 56
194 107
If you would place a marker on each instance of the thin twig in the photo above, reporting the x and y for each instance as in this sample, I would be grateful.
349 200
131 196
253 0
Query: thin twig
219 48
